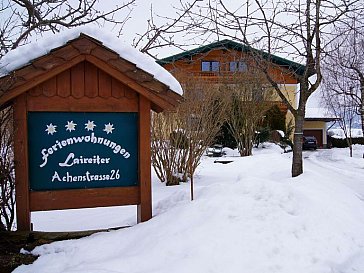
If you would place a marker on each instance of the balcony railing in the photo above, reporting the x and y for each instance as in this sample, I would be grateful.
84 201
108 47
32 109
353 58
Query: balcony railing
216 76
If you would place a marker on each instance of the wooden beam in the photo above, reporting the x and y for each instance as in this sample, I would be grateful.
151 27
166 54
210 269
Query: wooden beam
91 80
78 80
129 82
83 198
71 104
12 93
21 164
145 205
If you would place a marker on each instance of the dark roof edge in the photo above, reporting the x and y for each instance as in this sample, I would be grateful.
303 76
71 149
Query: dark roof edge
322 119
298 68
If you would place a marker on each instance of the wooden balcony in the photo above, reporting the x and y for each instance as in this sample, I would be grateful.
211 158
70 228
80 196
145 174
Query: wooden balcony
216 77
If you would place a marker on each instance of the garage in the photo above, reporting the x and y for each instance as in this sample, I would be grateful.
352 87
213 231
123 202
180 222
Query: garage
316 133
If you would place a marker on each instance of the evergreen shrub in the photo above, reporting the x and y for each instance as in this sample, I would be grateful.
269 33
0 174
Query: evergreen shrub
225 138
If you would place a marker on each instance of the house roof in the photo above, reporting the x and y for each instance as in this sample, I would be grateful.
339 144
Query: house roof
319 114
229 44
28 66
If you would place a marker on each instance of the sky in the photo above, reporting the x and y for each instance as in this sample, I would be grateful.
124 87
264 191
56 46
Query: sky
137 23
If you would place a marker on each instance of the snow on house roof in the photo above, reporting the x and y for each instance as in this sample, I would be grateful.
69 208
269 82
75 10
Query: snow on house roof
319 113
23 55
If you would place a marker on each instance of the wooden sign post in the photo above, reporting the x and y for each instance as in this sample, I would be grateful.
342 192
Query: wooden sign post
82 130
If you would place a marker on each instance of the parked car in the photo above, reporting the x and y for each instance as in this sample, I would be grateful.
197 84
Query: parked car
215 150
309 142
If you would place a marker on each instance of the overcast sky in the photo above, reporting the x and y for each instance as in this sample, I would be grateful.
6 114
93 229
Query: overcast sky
141 13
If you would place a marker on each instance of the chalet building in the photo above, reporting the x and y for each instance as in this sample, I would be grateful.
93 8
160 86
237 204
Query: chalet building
221 61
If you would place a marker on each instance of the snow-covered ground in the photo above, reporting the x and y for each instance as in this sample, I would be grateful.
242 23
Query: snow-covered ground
248 216
339 133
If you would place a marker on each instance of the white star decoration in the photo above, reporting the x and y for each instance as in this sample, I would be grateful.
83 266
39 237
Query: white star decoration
108 128
70 126
90 125
51 129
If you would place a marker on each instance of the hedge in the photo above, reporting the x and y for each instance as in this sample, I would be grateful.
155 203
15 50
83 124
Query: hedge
341 143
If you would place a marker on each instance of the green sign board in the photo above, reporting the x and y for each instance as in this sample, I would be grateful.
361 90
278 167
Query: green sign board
70 150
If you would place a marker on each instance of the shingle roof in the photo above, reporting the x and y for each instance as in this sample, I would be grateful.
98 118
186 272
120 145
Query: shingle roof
81 48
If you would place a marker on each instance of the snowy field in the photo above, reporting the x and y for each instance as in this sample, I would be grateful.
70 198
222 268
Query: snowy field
248 216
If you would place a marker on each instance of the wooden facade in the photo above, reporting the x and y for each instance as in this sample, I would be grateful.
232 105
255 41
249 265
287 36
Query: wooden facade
83 76
189 65
192 66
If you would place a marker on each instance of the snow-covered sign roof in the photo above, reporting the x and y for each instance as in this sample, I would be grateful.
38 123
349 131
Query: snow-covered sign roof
20 58
319 113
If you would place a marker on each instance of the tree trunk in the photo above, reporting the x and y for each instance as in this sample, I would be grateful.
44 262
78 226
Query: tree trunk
297 162
362 118
362 104
249 143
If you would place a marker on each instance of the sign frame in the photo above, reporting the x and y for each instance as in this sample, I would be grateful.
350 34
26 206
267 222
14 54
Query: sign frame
82 150
28 201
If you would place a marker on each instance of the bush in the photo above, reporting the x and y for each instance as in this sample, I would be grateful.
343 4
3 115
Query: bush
225 138
262 136
287 141
275 119
178 140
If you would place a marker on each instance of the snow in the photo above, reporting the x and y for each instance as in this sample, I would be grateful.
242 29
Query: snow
247 216
339 133
22 55
281 133
319 112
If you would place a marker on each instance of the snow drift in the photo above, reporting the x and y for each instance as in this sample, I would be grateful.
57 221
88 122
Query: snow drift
249 216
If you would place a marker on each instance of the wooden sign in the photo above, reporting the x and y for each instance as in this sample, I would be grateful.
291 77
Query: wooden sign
82 130
82 150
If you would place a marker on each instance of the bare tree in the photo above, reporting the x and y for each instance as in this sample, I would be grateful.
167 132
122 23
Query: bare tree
164 33
7 183
180 138
250 98
297 29
342 107
344 65
168 148
21 19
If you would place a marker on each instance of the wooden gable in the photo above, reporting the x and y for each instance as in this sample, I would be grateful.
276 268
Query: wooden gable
84 68
193 64
82 77
81 88
189 62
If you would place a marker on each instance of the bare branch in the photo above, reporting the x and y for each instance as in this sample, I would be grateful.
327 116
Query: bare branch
24 18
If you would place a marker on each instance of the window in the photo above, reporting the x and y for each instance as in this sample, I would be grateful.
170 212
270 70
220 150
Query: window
238 66
210 66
